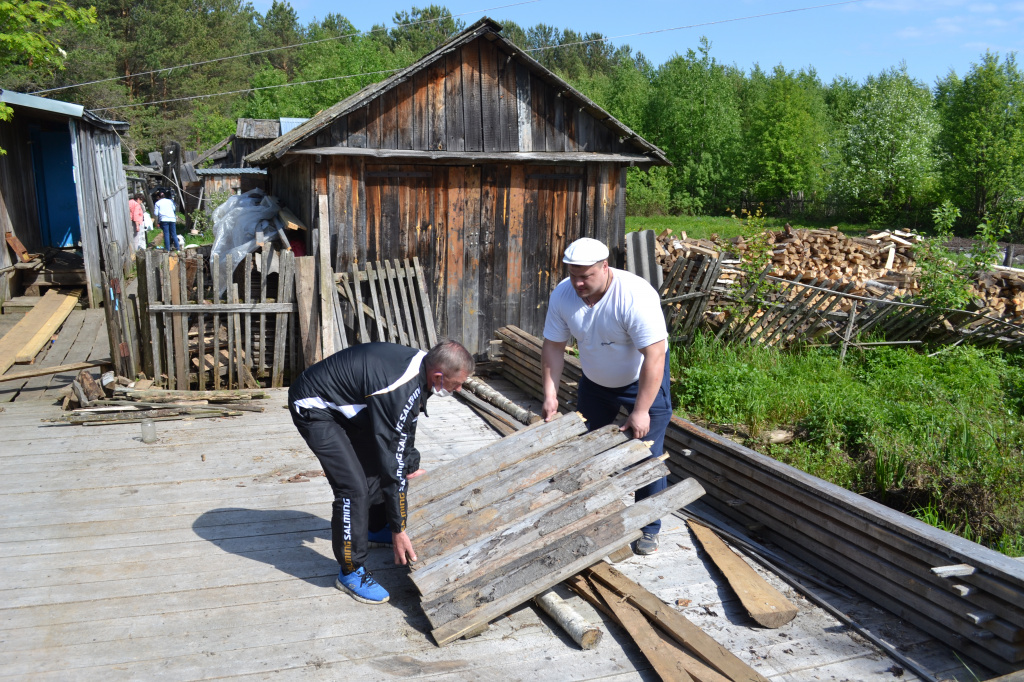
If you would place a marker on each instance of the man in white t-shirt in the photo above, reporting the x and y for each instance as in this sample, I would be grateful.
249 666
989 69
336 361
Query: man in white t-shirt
618 324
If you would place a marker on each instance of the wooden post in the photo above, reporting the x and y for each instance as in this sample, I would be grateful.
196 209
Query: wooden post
326 279
849 331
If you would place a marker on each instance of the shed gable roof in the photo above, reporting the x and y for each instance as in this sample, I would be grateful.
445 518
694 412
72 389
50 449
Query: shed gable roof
612 129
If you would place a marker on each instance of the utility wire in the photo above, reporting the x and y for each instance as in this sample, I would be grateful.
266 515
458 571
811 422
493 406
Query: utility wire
532 49
277 49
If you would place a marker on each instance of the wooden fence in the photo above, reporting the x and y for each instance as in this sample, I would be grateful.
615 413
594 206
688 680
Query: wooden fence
819 311
686 292
220 325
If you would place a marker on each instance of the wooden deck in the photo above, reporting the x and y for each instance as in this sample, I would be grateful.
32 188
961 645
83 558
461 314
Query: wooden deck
194 558
83 336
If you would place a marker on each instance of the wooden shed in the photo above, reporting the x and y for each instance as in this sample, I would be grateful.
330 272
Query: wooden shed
477 160
62 184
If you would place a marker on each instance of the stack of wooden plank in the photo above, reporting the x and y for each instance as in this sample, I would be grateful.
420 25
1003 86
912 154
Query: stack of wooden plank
35 330
502 525
965 595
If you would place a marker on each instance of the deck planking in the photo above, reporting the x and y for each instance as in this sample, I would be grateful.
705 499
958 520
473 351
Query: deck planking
123 561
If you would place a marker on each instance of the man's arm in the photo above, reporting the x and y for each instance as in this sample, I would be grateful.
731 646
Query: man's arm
651 374
552 358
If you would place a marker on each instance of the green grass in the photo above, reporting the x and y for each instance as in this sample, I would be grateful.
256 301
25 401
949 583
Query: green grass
941 438
702 227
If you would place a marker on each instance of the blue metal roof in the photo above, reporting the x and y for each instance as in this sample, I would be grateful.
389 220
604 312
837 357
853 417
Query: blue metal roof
290 123
41 103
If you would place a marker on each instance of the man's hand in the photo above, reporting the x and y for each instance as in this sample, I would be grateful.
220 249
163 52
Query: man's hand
549 409
639 422
404 553
418 472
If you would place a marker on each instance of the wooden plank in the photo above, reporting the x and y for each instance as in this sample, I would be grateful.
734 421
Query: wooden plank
514 266
201 322
437 132
454 106
471 94
215 283
405 303
527 443
385 331
168 324
241 375
538 103
524 108
148 288
179 290
247 299
454 256
234 308
391 276
286 281
17 247
409 291
470 323
24 341
764 603
588 590
428 313
309 307
358 303
663 658
420 123
326 279
491 107
540 571
675 624
56 369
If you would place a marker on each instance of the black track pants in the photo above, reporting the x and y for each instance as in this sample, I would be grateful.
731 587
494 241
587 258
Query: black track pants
350 465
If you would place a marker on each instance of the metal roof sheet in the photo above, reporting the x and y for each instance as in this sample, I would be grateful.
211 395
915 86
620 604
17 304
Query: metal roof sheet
230 171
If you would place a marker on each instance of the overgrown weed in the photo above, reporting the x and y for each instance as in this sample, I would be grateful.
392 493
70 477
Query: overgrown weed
939 437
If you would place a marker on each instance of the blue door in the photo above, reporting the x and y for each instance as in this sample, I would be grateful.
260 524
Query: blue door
55 188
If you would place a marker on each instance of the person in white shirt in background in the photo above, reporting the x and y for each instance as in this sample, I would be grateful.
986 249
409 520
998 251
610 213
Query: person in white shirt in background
167 216
618 324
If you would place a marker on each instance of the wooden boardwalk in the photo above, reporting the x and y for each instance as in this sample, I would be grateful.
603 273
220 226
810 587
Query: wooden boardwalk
194 558
83 336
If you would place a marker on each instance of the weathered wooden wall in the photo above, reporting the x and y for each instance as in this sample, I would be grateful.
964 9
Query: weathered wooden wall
477 98
18 212
490 237
102 202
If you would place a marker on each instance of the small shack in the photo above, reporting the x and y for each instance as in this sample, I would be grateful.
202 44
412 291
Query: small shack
62 185
475 159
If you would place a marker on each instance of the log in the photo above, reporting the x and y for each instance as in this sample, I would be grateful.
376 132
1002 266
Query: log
90 387
764 603
576 626
675 624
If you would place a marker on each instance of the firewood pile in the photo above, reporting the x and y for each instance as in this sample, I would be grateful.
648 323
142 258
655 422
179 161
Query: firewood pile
884 258
879 264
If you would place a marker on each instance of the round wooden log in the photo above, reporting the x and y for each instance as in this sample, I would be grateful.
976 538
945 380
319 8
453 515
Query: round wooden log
582 632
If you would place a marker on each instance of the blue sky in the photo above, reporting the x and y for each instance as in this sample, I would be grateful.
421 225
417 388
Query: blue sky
931 36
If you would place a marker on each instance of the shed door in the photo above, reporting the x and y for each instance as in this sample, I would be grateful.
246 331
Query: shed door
55 188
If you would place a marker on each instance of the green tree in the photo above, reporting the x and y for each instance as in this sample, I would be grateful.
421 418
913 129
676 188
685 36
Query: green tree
280 27
886 166
784 130
981 144
694 116
29 42
419 30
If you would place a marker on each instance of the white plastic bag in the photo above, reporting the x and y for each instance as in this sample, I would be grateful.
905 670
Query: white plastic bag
235 224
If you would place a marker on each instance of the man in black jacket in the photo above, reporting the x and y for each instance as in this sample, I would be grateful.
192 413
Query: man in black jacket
357 411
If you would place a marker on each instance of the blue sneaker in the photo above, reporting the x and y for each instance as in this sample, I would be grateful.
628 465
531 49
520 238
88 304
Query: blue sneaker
361 585
380 538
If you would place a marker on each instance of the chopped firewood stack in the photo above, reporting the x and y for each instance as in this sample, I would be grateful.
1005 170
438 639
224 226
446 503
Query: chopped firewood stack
884 257
1002 291
115 400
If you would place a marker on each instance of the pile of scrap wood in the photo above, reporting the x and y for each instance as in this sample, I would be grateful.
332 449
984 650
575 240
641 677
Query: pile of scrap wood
1002 293
506 523
119 401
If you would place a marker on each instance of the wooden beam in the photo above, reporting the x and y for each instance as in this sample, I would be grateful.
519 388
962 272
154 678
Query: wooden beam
56 369
15 341
764 603
677 625
249 308
479 157
309 310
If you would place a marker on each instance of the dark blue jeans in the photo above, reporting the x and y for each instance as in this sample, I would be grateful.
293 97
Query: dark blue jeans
170 235
600 405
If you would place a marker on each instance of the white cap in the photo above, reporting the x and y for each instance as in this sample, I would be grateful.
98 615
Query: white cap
585 251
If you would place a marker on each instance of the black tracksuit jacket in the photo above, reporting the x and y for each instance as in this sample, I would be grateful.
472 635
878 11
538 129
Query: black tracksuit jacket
377 386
